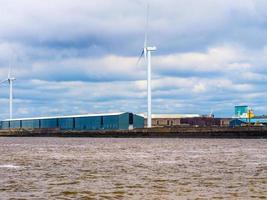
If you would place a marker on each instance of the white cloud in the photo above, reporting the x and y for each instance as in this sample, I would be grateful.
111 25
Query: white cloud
215 59
198 88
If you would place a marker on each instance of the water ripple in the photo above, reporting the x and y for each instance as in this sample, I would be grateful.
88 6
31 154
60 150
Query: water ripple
73 168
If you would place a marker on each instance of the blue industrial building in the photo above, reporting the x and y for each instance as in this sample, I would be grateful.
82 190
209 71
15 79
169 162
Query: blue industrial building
241 111
245 121
112 121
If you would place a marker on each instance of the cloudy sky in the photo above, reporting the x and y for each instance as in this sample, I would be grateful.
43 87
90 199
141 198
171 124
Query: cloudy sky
76 56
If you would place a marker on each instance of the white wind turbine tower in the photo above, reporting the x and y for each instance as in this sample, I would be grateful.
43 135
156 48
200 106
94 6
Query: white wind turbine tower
147 55
10 80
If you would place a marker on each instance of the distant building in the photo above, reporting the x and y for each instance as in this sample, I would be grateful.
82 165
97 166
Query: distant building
202 121
241 111
165 120
225 122
110 121
160 120
245 121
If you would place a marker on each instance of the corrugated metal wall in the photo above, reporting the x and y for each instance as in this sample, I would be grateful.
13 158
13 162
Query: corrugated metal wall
111 122
30 124
124 121
66 123
139 122
108 122
5 125
87 123
49 123
15 124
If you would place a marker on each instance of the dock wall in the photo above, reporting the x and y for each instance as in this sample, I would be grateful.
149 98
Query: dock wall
172 132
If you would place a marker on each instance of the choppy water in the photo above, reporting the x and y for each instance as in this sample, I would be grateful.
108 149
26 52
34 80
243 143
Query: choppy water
72 168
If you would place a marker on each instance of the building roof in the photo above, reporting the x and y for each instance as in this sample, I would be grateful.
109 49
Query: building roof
242 106
69 116
170 116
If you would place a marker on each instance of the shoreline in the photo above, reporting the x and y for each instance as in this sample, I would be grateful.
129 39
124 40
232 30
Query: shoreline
252 132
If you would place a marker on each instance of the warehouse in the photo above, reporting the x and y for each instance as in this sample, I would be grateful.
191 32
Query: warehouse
111 121
170 120
160 120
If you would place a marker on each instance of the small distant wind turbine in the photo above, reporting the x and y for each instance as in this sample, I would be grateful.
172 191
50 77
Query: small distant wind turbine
146 52
10 80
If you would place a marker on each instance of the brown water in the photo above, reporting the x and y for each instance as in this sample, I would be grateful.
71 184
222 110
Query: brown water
72 168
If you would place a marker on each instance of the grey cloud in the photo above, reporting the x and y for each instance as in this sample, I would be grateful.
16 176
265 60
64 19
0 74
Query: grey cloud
118 25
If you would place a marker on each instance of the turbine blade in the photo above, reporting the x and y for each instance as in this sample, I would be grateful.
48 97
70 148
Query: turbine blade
146 29
140 57
3 81
9 71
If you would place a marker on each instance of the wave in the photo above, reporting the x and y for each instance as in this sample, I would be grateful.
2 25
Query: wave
9 166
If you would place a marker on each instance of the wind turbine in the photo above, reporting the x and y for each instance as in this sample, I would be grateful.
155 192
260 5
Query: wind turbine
146 52
10 80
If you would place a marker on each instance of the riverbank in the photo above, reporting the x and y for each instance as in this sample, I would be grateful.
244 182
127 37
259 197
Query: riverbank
171 132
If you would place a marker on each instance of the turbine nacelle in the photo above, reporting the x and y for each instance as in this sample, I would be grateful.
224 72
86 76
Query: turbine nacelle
11 79
8 80
151 48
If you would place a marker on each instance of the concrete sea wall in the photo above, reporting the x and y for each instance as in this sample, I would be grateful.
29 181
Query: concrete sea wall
172 132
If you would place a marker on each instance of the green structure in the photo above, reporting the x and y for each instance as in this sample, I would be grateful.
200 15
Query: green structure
241 111
112 121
